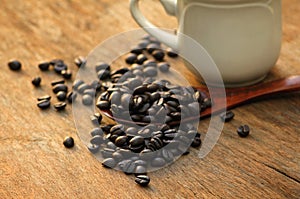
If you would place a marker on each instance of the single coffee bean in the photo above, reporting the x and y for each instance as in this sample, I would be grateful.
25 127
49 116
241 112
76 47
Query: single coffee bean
44 66
93 148
121 141
243 131
80 61
77 83
137 50
141 59
96 131
43 104
102 66
103 105
158 162
109 163
58 81
61 95
164 67
107 152
137 141
152 47
103 74
131 58
96 119
167 155
150 71
140 170
67 74
90 91
158 55
60 87
116 128
36 81
127 166
142 180
87 100
59 67
96 140
15 65
227 116
196 142
117 156
71 96
68 142
45 97
59 106
171 53
83 87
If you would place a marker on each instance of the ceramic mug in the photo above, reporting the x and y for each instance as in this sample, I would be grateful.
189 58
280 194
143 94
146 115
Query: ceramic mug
243 37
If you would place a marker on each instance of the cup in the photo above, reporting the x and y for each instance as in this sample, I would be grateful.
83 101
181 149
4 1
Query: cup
243 37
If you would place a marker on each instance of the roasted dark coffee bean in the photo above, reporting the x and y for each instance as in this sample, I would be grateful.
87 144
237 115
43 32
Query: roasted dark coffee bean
68 142
171 53
107 152
164 67
59 67
103 105
150 71
149 63
96 119
102 66
227 116
44 66
152 47
117 127
106 128
196 142
45 97
141 59
93 148
61 96
121 71
158 55
56 61
146 154
103 74
15 65
90 92
59 87
83 87
97 140
134 82
243 131
131 58
137 49
158 162
36 81
109 163
137 141
80 61
96 84
67 74
96 131
59 106
142 180
77 83
43 104
176 116
117 156
121 141
140 170
127 166
71 96
58 81
87 100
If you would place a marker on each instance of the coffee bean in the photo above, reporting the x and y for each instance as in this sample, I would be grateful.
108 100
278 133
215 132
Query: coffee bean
43 104
59 106
87 100
44 66
143 43
150 63
81 88
141 59
137 50
164 67
45 97
80 61
227 116
127 166
140 170
131 58
109 163
158 162
103 105
152 47
77 83
107 152
243 131
146 154
58 81
59 67
61 95
90 92
67 74
120 141
150 71
36 81
196 142
60 87
137 141
71 96
171 53
96 119
68 142
158 55
96 131
117 128
93 148
167 155
117 156
15 65
56 61
142 180
103 74
102 66
96 140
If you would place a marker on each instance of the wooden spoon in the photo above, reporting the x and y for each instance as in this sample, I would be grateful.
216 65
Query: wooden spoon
235 97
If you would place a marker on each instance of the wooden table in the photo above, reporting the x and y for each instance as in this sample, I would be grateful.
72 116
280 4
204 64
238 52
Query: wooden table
35 164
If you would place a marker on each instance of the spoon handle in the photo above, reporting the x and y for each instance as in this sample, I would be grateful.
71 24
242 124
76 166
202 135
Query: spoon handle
237 96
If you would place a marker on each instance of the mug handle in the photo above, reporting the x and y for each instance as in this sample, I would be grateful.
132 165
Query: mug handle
169 39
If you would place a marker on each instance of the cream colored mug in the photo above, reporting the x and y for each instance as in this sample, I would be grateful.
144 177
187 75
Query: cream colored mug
243 37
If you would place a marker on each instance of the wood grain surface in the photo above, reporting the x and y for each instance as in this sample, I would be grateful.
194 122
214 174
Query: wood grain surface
35 164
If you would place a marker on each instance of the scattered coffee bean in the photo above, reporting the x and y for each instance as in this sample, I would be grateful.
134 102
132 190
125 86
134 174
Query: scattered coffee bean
80 61
227 116
131 58
69 142
77 83
36 81
243 131
59 106
59 87
45 97
152 47
142 180
71 96
43 104
102 66
109 163
82 87
59 67
158 55
67 74
164 67
171 53
44 66
61 95
58 81
15 65
87 100
141 59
